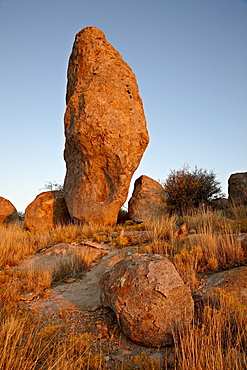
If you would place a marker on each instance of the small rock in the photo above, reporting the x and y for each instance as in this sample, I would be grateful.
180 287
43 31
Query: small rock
29 296
69 280
192 231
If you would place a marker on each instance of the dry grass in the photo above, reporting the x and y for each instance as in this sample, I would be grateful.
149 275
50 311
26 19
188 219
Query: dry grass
203 219
26 344
238 210
69 266
214 246
17 244
221 328
218 341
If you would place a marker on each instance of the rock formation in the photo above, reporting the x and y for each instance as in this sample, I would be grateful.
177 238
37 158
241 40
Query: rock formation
237 188
8 212
233 281
148 199
105 129
46 211
148 297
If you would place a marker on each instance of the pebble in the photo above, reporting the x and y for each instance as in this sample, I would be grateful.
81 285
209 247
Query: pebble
70 280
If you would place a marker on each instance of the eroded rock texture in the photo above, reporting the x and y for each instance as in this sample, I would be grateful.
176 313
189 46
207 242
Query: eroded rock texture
237 188
233 281
148 199
105 129
46 211
148 297
8 212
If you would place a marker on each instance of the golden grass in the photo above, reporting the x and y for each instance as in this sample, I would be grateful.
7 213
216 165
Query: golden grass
203 219
69 266
217 339
26 344
214 246
17 244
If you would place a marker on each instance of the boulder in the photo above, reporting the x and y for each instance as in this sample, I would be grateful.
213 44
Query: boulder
148 199
148 297
8 212
237 188
46 211
232 281
105 129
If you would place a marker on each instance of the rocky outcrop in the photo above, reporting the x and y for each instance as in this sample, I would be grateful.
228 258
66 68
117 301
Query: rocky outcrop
105 129
82 293
148 199
8 212
233 281
237 188
148 297
46 211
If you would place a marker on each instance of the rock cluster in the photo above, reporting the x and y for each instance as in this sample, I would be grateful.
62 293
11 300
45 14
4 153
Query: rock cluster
8 212
148 199
148 297
46 211
105 129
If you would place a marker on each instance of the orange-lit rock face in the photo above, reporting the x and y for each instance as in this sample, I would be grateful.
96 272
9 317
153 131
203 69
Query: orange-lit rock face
7 211
105 129
149 298
46 211
148 199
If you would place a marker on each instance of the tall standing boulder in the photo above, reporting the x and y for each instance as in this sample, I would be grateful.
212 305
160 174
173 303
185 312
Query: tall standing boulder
148 199
148 297
237 188
105 129
46 211
8 212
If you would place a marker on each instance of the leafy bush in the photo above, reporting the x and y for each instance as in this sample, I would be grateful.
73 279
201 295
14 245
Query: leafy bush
186 189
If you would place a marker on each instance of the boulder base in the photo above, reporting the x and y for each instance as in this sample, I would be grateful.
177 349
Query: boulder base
46 211
105 129
148 297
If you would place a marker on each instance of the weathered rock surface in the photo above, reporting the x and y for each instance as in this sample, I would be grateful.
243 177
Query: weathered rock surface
232 281
52 256
105 129
237 188
148 199
83 294
8 212
148 297
46 211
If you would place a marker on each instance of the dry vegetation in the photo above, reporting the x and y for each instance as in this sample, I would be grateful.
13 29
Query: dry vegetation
217 339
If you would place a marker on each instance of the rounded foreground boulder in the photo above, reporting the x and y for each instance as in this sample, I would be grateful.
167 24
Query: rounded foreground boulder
148 297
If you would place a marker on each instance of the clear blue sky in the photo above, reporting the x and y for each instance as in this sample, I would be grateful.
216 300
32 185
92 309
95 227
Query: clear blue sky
190 60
